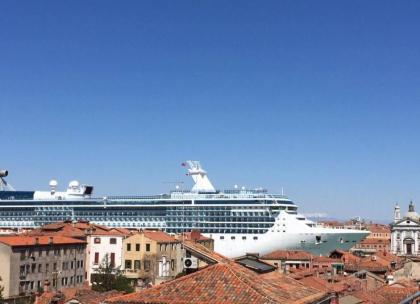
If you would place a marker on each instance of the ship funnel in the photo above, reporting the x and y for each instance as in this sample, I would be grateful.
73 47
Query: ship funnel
4 186
199 176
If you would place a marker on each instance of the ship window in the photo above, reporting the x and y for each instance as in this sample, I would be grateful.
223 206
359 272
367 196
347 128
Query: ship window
222 237
244 237
232 237
255 237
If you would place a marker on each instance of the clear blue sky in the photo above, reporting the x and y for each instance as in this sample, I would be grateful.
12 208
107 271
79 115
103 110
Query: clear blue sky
320 97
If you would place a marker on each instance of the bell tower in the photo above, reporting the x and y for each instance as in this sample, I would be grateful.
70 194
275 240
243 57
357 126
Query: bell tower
397 213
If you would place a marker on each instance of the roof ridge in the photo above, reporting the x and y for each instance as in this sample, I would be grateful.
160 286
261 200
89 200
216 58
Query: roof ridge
180 279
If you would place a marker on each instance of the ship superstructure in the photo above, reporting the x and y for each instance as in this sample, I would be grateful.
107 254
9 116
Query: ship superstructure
239 220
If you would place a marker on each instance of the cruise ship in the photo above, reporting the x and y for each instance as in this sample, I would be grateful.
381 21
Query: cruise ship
239 220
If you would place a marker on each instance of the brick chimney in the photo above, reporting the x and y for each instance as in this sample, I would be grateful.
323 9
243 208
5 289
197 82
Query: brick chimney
46 285
195 235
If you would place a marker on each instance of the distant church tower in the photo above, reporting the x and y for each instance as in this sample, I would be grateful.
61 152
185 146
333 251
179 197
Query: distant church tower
397 213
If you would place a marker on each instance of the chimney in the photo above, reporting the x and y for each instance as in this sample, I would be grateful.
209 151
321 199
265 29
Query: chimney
46 285
51 240
195 235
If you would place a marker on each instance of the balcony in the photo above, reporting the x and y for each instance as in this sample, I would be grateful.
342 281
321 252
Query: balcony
136 273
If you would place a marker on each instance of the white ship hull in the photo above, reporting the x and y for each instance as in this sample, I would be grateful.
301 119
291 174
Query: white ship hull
289 232
331 239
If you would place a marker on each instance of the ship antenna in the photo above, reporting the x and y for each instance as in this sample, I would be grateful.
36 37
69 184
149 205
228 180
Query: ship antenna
282 191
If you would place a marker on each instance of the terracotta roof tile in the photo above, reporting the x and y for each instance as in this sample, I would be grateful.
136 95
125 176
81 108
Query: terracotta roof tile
194 235
226 283
77 230
159 236
377 228
287 255
384 241
324 259
22 240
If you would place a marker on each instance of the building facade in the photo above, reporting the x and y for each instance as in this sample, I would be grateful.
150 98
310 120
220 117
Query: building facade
405 232
29 261
151 257
104 246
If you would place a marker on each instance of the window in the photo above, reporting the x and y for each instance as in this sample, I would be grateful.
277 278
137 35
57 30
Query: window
55 266
33 268
39 267
244 237
147 247
127 264
47 268
137 265
96 258
222 237
97 240
113 241
137 247
173 264
232 237
112 259
255 237
147 265
128 247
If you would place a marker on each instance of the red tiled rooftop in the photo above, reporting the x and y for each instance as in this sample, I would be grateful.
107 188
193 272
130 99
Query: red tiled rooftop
388 294
381 241
377 228
192 235
77 229
287 255
159 236
225 283
324 259
23 240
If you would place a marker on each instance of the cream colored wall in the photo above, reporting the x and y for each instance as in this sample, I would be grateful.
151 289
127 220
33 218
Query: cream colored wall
6 280
137 255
